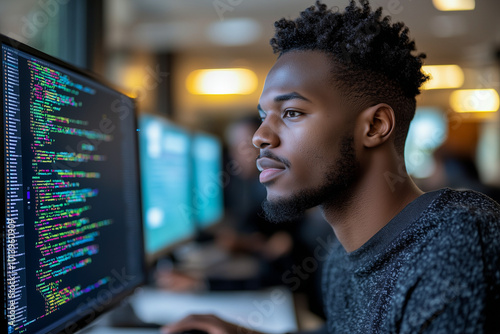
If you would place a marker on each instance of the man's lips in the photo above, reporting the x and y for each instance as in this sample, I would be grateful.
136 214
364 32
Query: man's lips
269 169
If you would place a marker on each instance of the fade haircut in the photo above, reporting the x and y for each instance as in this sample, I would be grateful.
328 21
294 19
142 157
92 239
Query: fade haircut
372 59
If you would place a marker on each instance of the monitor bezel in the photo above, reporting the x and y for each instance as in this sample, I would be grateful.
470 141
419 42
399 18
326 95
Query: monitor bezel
92 312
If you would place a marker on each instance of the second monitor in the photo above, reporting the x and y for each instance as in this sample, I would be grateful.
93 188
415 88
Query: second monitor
208 180
182 190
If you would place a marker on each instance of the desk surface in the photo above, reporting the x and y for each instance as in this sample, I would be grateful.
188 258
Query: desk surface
268 311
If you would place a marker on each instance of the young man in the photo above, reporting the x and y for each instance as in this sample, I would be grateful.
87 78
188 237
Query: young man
335 112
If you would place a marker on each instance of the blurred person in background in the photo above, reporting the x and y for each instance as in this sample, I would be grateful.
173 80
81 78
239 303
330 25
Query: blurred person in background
247 230
457 171
284 247
279 249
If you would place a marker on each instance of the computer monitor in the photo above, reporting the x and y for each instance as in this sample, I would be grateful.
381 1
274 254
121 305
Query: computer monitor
166 182
72 241
208 180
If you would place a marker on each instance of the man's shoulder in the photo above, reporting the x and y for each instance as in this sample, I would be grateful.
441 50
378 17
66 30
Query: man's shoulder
461 219
456 262
468 200
462 210
455 221
458 235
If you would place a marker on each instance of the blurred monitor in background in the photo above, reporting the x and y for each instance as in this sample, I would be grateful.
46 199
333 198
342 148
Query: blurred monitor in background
435 161
207 180
428 130
166 184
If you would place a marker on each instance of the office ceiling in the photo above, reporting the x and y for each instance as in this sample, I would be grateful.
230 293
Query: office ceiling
467 37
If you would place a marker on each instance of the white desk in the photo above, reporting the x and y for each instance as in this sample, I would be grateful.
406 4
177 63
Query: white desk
268 311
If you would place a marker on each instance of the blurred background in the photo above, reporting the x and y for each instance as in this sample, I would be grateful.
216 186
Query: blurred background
199 66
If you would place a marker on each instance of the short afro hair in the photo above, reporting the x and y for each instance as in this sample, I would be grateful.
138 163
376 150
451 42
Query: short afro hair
372 58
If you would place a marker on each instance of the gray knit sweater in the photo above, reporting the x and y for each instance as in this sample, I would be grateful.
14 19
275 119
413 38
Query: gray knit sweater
434 268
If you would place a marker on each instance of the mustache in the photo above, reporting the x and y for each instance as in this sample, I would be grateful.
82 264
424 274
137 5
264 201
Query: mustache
271 155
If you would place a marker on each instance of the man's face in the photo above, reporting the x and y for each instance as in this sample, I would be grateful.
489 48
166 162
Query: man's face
306 145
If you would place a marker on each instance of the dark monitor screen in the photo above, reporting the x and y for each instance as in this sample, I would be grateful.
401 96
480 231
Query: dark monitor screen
208 180
165 167
72 239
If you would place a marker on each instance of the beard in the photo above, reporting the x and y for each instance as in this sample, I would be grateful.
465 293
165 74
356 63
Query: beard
335 190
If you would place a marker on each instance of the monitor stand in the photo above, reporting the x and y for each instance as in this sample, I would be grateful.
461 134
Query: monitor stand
124 316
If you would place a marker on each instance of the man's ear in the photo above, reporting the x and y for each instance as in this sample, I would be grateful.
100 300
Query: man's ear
377 124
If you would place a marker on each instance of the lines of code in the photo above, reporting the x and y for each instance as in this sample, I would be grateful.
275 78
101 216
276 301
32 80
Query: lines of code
15 269
67 238
73 238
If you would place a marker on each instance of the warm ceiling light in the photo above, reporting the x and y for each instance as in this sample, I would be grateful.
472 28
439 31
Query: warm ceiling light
452 5
443 76
222 81
475 100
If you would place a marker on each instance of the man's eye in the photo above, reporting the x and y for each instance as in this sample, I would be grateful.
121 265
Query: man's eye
292 114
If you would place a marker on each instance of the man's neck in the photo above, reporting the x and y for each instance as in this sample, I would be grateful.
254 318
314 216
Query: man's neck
374 201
